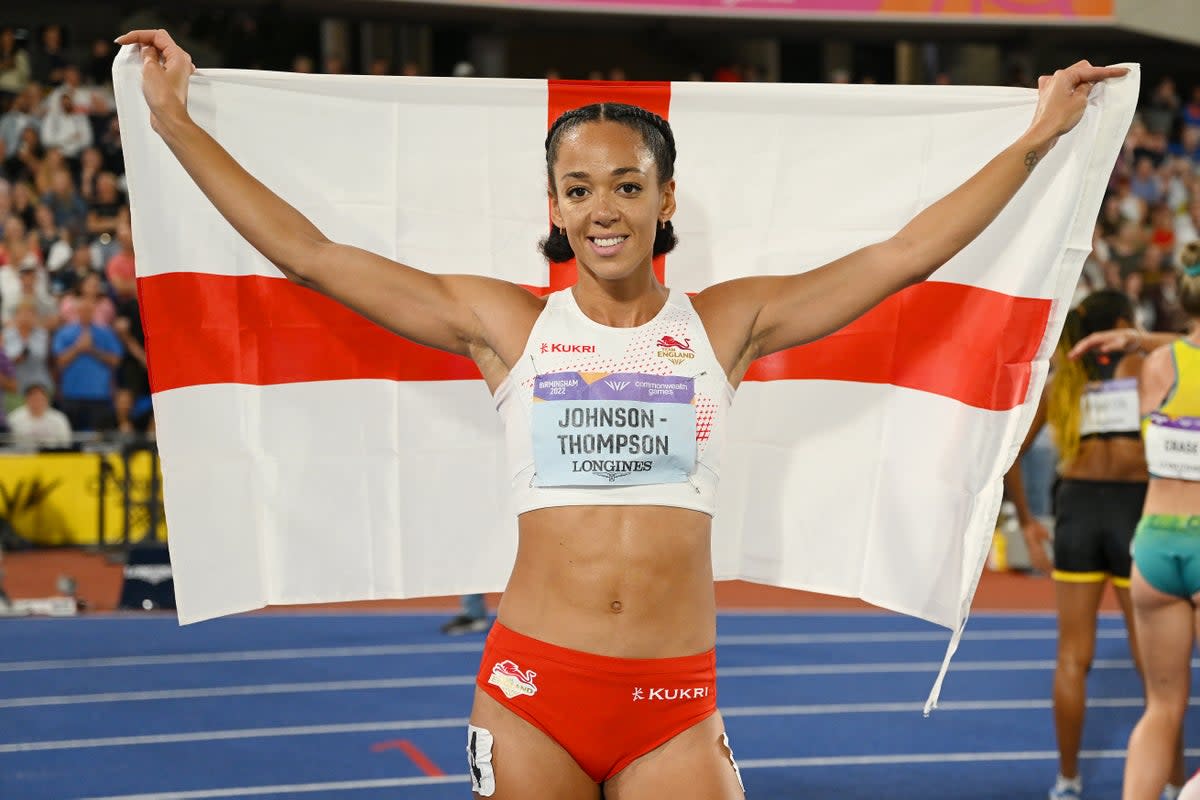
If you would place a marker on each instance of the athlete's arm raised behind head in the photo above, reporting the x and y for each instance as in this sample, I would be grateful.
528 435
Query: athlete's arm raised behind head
482 318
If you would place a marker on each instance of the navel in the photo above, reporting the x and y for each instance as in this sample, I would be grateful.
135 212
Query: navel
616 606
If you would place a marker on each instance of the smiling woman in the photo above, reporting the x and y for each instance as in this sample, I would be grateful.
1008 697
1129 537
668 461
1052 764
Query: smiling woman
599 674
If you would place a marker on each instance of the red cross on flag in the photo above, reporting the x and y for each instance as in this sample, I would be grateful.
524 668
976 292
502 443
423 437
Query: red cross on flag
309 455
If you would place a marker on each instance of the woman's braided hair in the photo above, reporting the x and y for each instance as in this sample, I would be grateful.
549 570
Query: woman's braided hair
655 133
1189 284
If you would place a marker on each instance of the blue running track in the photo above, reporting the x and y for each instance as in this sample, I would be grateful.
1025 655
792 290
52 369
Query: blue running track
370 706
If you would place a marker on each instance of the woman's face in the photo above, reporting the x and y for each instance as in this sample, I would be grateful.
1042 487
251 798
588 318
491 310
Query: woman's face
14 230
607 198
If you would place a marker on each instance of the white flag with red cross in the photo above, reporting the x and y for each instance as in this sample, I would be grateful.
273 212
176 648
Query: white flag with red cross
311 456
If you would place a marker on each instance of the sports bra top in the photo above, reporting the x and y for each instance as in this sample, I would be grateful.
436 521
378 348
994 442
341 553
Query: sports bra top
1172 431
595 415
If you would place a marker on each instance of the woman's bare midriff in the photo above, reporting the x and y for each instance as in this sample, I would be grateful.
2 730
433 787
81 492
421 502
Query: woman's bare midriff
1170 496
624 581
1119 458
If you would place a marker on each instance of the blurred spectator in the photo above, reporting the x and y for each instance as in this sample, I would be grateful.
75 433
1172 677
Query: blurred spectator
18 117
26 162
78 268
14 250
87 354
411 69
14 64
85 98
91 165
1168 314
100 64
133 405
1164 106
53 242
463 69
27 346
66 126
91 286
52 162
1133 208
110 147
334 65
49 61
1191 112
380 66
106 206
1145 182
304 64
33 291
8 384
23 204
36 424
1143 305
120 269
69 209
1128 247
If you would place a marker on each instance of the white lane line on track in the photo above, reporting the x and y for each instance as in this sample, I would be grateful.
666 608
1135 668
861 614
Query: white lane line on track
927 758
295 788
728 712
243 733
753 763
780 670
299 653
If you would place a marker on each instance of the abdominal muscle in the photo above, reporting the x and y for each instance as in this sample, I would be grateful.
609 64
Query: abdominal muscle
624 581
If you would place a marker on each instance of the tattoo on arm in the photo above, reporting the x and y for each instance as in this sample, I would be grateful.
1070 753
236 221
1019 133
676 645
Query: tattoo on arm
1031 160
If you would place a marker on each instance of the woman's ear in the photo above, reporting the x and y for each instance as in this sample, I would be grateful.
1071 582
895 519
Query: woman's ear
667 208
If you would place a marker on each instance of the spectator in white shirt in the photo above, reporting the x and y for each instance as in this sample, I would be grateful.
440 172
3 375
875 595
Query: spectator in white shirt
67 127
36 424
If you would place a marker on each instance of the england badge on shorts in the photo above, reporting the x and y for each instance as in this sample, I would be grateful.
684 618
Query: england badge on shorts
511 680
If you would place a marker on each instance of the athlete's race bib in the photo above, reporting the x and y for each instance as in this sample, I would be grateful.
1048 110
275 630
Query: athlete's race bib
1110 407
618 429
1173 447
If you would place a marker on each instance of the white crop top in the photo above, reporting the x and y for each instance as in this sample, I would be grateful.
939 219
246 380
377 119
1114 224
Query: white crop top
595 415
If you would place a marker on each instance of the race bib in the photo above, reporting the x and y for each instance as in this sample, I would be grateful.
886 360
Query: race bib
612 429
1110 407
1173 447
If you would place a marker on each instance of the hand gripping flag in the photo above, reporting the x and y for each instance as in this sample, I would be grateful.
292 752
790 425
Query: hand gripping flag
310 456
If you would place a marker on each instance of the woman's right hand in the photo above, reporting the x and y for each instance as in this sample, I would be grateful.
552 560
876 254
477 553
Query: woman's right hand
166 68
1037 541
1122 340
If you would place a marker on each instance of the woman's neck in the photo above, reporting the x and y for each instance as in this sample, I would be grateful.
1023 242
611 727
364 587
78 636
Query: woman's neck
620 304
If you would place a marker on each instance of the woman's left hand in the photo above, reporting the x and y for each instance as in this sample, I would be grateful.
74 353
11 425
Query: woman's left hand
1063 96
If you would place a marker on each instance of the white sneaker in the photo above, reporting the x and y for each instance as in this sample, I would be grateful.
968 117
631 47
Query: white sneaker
1065 789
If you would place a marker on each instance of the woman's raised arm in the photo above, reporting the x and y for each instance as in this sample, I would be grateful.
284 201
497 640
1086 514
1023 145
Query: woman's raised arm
469 315
773 313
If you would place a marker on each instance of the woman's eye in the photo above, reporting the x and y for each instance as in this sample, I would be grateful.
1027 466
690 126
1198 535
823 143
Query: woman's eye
629 188
576 192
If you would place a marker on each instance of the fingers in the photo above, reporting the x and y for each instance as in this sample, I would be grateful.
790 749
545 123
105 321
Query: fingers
158 38
160 41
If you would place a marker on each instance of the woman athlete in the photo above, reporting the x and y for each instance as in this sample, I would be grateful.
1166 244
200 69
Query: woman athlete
1166 548
1091 405
598 675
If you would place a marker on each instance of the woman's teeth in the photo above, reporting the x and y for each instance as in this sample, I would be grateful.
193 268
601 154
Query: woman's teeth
609 242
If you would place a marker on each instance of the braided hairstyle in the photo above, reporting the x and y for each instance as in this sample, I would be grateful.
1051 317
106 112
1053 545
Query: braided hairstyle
1189 284
656 135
